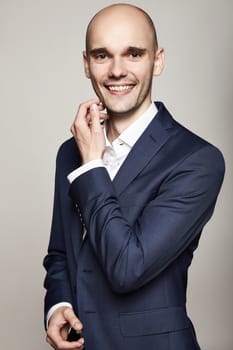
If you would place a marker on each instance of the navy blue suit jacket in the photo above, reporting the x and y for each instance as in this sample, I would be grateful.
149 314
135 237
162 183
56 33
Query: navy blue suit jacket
127 279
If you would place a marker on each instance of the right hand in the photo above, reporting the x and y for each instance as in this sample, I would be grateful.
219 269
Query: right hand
60 322
88 130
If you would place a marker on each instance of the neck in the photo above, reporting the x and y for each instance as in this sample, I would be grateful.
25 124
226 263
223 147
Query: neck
117 123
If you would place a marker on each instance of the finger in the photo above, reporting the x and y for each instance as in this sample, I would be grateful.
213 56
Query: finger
65 331
57 342
73 320
55 337
81 343
95 118
84 108
81 117
49 341
103 117
101 107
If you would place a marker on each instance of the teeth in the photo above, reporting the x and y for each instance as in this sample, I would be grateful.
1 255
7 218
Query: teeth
119 88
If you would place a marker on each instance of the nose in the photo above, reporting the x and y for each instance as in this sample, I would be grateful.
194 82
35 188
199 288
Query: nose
117 68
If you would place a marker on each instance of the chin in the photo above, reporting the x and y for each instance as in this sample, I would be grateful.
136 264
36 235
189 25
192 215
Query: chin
120 111
118 108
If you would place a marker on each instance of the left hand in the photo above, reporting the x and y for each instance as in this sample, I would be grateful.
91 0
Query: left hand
60 322
88 131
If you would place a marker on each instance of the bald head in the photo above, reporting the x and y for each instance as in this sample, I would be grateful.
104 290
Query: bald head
117 13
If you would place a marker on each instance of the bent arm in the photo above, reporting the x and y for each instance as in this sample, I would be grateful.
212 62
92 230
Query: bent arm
133 255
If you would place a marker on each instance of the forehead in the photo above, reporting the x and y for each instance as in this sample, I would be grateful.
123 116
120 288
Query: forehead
120 28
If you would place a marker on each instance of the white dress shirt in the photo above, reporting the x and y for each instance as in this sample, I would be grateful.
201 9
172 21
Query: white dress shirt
113 158
116 152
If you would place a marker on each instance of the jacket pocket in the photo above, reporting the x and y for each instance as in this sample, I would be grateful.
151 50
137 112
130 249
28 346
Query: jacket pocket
153 321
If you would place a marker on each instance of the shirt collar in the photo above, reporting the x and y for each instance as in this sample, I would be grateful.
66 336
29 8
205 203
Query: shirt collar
130 135
136 129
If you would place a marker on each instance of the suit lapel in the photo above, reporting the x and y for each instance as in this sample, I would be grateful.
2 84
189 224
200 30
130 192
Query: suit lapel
151 141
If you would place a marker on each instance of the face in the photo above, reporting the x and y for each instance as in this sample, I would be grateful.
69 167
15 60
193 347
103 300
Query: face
121 61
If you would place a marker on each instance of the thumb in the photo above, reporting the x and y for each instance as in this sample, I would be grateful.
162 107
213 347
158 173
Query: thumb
73 320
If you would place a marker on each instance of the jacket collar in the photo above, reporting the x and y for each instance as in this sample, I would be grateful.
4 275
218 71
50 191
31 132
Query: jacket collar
153 138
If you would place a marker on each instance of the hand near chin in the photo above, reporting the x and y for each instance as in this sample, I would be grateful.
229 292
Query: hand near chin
58 330
88 130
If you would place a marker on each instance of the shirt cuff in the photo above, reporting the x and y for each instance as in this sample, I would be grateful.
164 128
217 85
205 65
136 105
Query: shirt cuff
54 308
84 168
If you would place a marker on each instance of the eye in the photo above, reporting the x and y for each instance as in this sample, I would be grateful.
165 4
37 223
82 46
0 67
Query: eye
134 54
101 56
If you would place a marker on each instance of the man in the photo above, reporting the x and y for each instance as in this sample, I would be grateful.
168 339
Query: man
141 188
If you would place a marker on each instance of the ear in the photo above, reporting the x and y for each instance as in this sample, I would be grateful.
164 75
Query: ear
158 62
86 64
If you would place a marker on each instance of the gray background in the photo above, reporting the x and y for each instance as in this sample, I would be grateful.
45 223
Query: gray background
41 85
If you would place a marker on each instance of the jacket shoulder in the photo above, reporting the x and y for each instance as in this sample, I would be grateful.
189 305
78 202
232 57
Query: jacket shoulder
68 156
184 143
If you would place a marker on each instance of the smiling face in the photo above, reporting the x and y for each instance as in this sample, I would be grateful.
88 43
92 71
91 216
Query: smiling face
121 59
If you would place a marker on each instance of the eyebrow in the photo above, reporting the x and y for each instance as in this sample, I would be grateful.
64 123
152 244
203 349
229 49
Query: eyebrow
99 50
136 48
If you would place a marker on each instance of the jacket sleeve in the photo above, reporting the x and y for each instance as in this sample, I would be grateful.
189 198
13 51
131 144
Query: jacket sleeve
133 255
57 281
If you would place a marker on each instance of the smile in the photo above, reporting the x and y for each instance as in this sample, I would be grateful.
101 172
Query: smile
120 87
